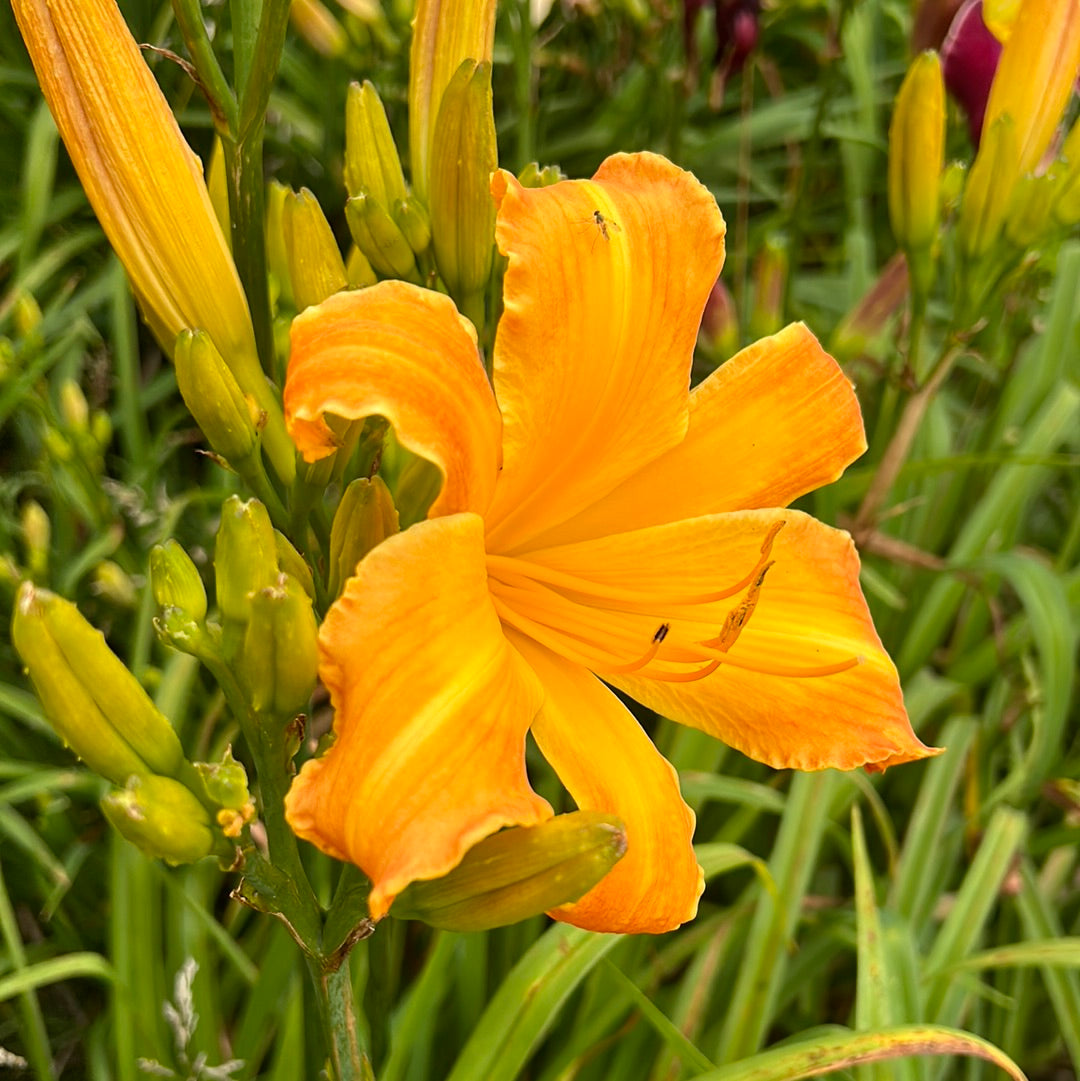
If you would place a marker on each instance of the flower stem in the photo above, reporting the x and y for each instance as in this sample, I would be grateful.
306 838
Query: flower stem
214 84
337 1014
244 169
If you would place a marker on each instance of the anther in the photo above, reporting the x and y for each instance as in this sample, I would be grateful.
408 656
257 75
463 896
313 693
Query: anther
648 655
739 616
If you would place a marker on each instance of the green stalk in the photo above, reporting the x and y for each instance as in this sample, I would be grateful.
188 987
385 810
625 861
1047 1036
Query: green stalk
337 1015
214 84
244 170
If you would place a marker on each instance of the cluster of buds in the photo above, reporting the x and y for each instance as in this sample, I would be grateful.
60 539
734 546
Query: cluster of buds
440 228
159 801
264 649
1018 193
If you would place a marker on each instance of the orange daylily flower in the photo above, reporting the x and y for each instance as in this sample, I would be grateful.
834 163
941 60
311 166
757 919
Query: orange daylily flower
599 526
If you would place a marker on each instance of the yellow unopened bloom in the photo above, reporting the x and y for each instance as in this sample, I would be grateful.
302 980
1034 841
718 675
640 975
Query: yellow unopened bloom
1036 74
916 154
598 524
146 187
318 27
445 32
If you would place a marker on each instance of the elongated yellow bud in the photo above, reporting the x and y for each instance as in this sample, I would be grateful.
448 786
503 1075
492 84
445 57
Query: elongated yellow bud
365 517
916 154
379 238
316 268
372 163
445 32
463 158
163 819
518 873
317 26
95 704
989 189
1035 75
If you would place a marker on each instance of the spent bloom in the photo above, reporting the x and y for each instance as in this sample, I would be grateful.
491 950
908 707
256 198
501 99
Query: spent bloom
599 526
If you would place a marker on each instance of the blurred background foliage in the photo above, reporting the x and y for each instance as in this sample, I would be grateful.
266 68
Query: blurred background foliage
947 892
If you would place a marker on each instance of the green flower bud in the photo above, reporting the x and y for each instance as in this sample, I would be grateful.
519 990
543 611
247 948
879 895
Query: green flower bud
101 428
464 156
1028 219
277 257
176 582
518 873
37 537
866 324
379 238
113 583
358 270
226 416
245 556
217 184
532 176
316 268
26 314
412 219
226 784
953 180
292 563
770 277
163 819
418 484
73 406
989 189
278 662
1067 202
365 517
372 163
95 704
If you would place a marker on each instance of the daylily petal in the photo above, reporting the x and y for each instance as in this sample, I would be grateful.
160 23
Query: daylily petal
778 420
593 350
432 709
403 353
608 763
763 699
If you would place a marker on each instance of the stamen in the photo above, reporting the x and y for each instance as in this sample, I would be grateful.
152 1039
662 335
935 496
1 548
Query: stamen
648 655
553 640
686 677
765 669
739 616
503 567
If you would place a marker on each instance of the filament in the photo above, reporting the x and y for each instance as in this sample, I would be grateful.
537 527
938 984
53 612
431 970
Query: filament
503 567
